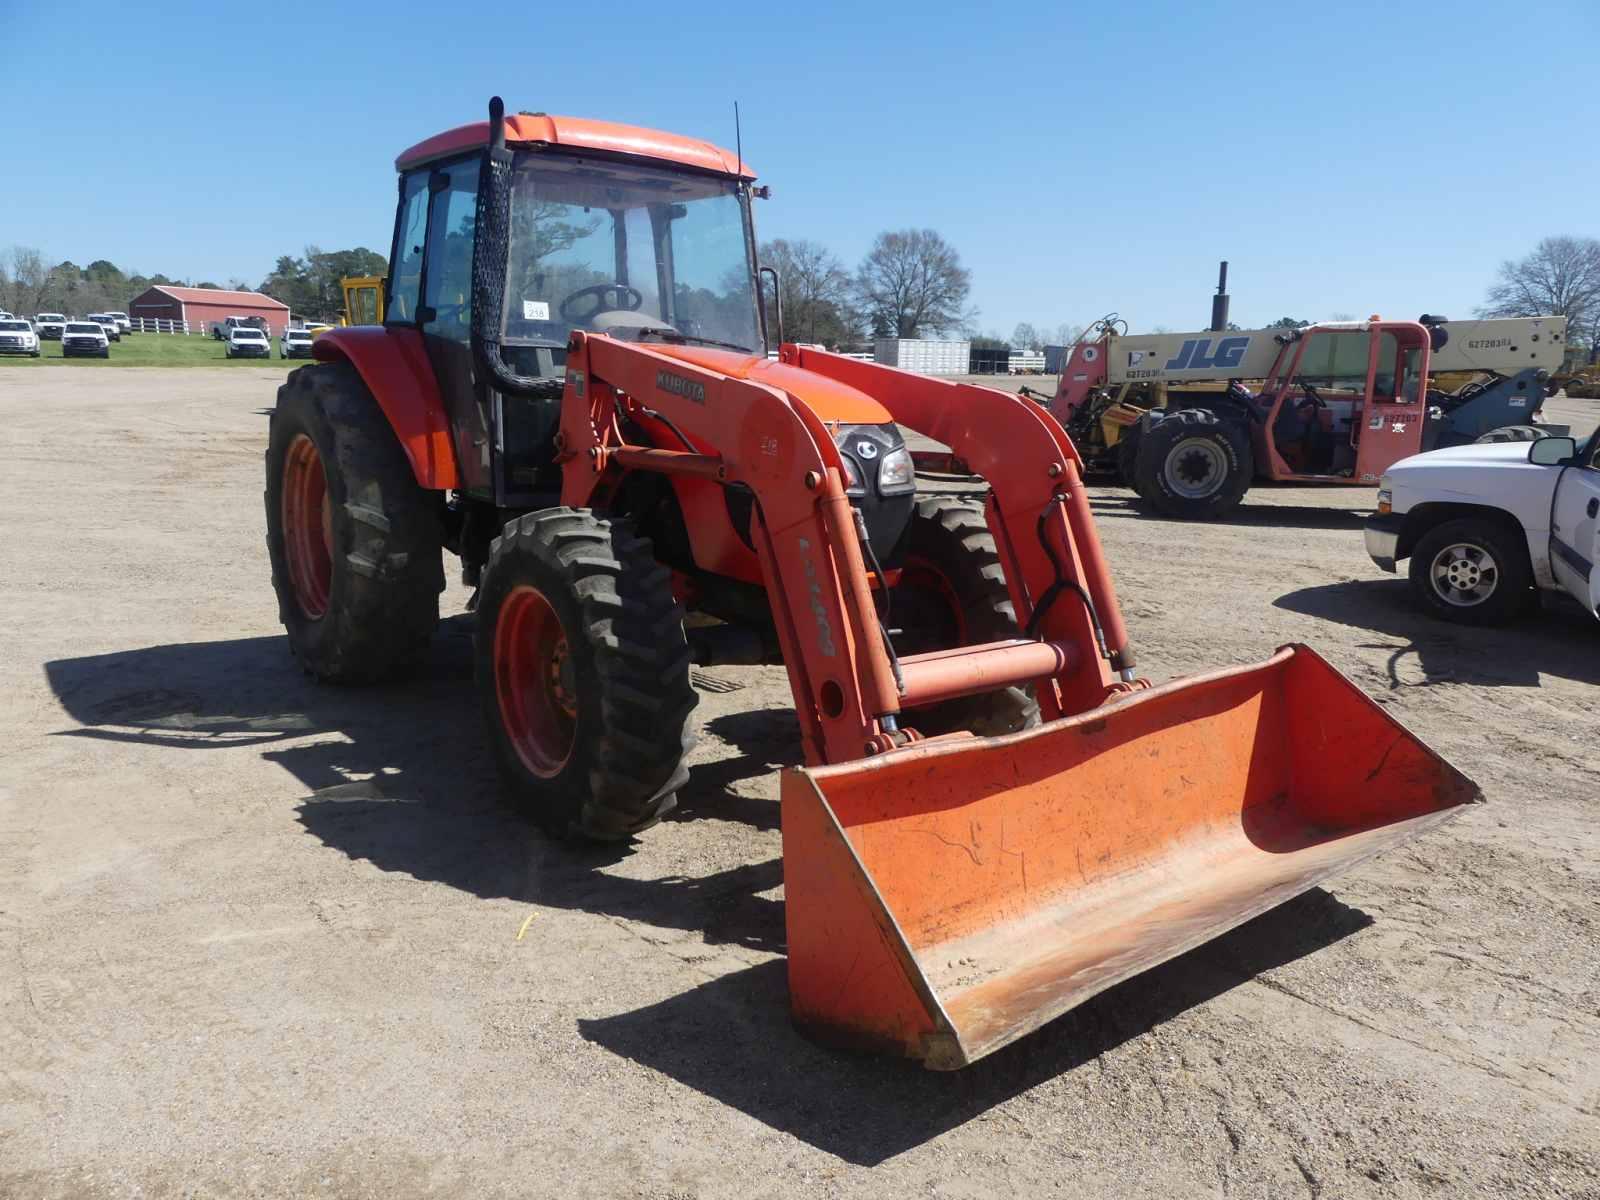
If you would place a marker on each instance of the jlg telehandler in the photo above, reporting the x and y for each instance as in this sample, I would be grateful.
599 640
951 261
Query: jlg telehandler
996 819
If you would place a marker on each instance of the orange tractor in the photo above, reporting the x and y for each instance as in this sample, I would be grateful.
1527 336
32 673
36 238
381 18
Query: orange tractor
996 818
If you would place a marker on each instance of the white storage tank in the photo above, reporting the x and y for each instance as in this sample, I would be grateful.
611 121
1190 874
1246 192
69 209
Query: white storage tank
923 355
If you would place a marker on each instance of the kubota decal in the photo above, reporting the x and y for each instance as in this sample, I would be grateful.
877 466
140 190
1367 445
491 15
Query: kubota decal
1196 354
677 385
814 599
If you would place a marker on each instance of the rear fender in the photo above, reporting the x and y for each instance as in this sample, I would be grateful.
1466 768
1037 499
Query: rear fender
394 365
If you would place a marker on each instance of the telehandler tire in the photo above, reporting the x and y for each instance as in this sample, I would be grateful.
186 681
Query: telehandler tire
355 543
1195 464
583 672
1128 455
952 592
1513 433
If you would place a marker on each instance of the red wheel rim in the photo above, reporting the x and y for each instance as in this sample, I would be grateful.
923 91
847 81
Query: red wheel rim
533 679
919 575
307 527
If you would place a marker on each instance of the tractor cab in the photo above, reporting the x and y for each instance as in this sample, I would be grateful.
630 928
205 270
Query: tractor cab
1343 401
568 226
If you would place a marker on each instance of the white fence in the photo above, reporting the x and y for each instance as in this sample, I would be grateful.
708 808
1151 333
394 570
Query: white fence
157 325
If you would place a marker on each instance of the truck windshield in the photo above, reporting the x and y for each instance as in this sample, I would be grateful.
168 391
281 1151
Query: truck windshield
626 249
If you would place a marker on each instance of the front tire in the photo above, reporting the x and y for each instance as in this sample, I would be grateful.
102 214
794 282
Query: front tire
582 669
1471 571
952 592
1128 455
1513 433
355 543
1195 465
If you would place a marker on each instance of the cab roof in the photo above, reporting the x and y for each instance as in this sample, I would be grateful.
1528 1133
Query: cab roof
579 133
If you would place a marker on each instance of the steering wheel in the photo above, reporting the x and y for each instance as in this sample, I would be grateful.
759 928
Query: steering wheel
628 300
1311 397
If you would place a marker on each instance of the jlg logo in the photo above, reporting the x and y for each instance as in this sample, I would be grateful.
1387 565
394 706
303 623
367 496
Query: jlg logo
1196 354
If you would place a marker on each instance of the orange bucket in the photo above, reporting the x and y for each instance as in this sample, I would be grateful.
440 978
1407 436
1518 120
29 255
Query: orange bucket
944 899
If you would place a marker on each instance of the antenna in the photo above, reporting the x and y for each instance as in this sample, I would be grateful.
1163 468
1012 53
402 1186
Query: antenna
738 140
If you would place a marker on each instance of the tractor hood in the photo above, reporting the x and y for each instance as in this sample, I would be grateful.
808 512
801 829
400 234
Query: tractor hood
832 401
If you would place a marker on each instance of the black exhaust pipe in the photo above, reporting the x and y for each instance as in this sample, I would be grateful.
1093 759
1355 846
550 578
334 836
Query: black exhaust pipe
1219 302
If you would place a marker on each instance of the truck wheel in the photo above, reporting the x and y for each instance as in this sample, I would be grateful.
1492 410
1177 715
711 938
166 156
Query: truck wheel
1194 464
1513 433
355 542
1128 454
1472 571
583 673
952 592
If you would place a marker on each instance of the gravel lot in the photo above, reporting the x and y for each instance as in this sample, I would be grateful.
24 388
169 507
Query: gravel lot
266 938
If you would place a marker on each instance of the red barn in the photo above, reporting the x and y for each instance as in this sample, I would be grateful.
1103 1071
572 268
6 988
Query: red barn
205 307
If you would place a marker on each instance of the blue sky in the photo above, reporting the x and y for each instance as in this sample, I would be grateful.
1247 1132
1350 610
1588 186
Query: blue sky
1082 158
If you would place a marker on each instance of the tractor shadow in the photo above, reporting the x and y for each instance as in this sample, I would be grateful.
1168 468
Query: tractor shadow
731 1040
402 776
1558 639
1256 512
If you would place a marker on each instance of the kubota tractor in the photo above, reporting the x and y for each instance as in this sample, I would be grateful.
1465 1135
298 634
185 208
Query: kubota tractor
572 392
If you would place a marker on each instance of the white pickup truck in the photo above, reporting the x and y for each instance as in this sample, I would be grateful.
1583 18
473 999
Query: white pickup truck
1486 525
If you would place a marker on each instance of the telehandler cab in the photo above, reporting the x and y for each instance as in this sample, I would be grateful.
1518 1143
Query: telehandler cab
996 819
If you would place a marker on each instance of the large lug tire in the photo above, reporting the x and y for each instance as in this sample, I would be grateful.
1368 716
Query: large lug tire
355 542
1474 571
583 673
1128 454
1194 464
1513 433
952 592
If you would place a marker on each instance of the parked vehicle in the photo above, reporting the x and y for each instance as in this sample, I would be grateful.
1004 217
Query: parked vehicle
246 341
50 325
1488 526
109 323
124 322
18 337
294 343
84 339
227 325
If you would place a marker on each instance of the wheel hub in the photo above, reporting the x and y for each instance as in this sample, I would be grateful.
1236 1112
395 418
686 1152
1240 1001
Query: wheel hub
535 681
307 527
1464 574
1195 468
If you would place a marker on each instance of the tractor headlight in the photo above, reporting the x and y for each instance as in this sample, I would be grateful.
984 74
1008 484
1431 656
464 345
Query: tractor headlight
896 474
853 486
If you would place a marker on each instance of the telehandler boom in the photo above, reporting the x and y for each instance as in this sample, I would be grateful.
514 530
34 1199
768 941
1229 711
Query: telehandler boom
996 818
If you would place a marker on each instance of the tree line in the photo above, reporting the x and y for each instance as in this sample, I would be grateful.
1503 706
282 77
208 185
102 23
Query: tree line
910 284
309 284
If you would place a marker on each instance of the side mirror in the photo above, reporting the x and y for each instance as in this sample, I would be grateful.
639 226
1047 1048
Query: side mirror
1552 451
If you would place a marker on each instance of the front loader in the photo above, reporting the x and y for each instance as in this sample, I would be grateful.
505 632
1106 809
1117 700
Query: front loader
996 817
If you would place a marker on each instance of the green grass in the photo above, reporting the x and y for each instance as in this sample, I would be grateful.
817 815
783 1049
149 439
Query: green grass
151 350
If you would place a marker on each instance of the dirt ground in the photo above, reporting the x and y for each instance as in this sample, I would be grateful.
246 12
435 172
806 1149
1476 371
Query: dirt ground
266 938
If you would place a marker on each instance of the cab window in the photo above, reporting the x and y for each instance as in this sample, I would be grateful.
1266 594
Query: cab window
450 233
405 276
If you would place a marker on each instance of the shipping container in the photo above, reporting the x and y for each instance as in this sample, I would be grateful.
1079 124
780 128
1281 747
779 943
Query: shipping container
923 355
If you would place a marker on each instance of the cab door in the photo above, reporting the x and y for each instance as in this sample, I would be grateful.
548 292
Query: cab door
1388 426
1575 528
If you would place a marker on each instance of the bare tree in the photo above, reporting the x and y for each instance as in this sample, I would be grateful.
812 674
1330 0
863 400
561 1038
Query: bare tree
1561 276
912 282
1067 334
1026 337
30 279
816 292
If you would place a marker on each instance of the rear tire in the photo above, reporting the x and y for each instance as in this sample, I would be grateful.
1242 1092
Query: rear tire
1128 454
358 586
583 673
1194 464
1471 571
954 587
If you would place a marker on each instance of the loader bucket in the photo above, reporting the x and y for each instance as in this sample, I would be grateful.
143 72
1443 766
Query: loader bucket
947 898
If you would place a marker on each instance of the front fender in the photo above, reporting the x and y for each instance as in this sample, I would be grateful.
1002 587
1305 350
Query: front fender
394 365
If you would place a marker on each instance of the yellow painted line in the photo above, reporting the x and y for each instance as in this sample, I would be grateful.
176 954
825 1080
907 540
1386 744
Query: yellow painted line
524 928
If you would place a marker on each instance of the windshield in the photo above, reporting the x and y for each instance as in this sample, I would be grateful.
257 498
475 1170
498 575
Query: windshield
626 249
248 335
83 327
299 335
14 326
50 317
